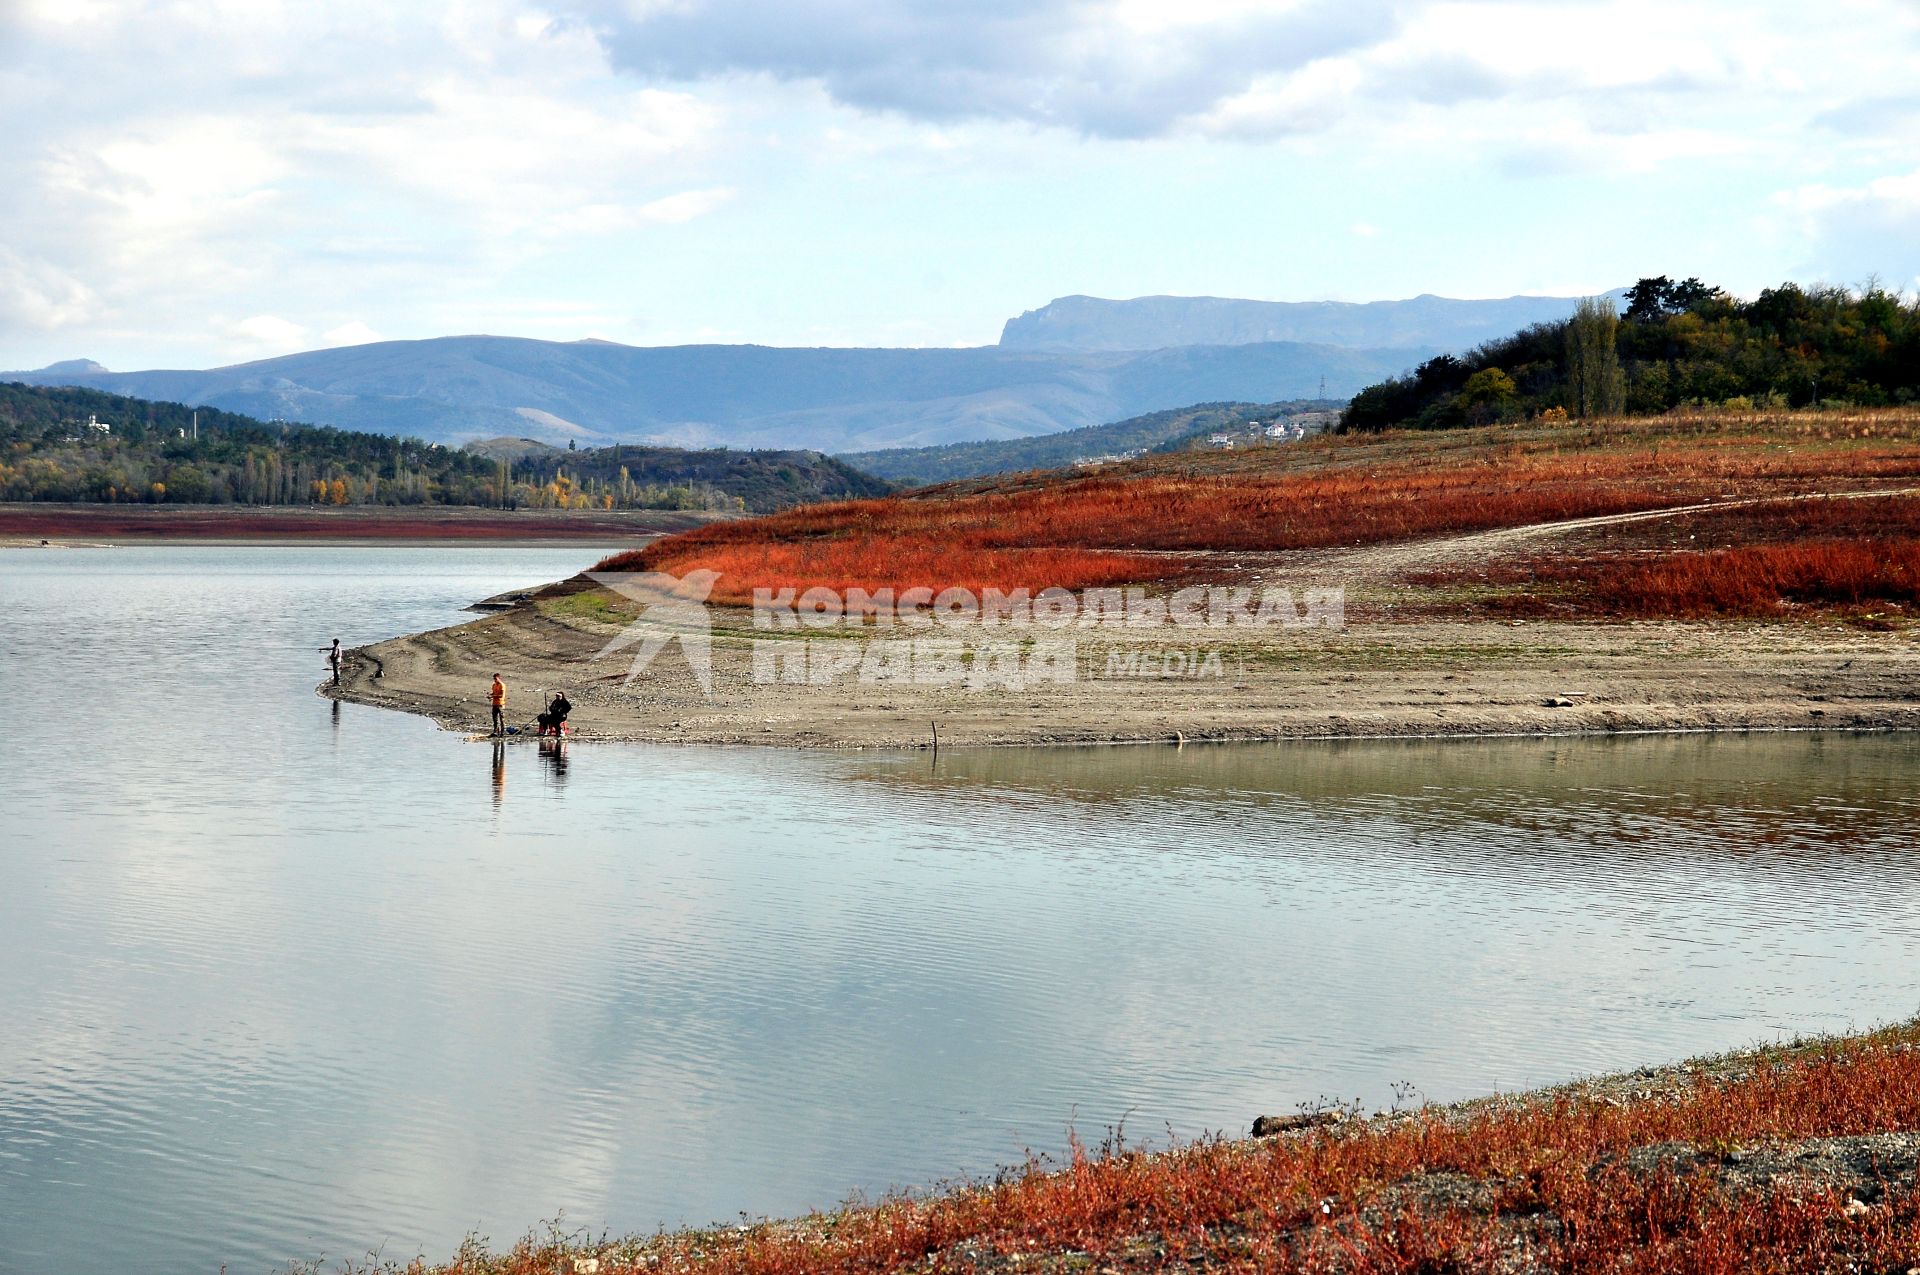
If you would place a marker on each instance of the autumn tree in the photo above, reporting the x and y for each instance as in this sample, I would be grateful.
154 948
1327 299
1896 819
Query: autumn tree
1595 384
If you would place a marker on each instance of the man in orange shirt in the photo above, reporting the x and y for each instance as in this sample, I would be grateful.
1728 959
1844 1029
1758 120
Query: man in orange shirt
497 696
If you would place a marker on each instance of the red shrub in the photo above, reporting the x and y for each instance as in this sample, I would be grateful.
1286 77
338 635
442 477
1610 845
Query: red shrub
1335 1201
898 562
940 539
1758 580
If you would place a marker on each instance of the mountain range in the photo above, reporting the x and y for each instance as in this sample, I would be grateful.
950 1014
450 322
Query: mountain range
1093 323
1076 362
452 389
1157 431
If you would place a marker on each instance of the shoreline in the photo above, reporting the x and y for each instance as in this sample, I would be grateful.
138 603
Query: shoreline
1379 678
51 525
1822 1127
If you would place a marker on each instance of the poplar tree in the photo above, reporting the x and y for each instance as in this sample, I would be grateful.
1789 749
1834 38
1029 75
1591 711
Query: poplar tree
1595 384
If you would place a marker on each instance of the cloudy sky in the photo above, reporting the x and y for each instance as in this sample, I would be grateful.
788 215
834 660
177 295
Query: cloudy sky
191 183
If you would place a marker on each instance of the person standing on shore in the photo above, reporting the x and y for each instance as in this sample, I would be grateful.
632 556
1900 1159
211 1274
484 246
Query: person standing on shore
497 696
333 659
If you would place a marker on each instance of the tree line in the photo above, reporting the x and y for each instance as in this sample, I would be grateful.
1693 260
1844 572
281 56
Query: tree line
52 448
1678 344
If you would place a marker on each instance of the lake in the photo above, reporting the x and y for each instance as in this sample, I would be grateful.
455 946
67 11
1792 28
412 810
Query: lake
284 980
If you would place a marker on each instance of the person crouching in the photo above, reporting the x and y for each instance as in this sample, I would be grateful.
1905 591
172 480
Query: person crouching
554 720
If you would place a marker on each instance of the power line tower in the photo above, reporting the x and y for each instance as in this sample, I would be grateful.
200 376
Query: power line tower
1323 385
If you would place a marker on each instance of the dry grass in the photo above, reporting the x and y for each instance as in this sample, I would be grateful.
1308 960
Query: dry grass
1439 1191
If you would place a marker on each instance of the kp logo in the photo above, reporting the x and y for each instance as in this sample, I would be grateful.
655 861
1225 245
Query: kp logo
676 611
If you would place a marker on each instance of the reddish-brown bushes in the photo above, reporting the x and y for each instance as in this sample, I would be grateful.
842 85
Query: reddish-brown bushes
1771 559
1757 580
1551 1173
1098 526
896 562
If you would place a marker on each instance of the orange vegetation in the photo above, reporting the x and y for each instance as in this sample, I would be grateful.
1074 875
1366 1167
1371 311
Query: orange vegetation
897 562
1766 560
1079 531
1435 1192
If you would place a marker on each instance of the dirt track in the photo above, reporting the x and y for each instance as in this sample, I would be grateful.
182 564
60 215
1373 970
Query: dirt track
1375 677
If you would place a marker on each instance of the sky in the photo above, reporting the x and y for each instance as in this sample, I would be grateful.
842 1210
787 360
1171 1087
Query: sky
191 184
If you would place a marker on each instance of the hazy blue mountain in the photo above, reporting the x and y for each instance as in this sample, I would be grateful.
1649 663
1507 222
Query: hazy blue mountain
1153 323
70 367
1152 432
452 389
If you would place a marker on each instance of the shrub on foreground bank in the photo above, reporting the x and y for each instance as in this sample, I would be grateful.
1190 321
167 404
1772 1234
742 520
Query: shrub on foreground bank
1559 1181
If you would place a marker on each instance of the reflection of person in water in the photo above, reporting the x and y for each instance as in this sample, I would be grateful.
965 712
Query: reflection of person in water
499 771
554 753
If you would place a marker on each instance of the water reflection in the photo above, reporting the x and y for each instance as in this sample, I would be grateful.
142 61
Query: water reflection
553 754
309 1024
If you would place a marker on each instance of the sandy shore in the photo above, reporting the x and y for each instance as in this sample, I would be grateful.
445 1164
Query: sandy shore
1380 676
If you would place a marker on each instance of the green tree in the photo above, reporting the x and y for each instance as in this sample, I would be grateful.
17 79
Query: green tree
1488 396
188 484
1595 384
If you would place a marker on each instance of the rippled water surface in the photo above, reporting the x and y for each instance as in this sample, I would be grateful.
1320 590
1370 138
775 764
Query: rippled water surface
280 981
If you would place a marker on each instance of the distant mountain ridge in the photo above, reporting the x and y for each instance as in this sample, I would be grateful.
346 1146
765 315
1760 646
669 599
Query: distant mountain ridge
1087 324
1155 431
452 389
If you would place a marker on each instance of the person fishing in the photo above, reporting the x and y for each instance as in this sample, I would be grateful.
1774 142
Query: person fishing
555 718
333 659
497 696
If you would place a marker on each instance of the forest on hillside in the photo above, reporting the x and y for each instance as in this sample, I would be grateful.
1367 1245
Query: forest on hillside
66 444
1678 344
1156 431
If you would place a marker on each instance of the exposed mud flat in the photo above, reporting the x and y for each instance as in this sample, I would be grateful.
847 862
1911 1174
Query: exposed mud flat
1374 678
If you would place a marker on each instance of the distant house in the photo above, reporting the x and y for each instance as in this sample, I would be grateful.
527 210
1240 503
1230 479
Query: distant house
1220 440
97 425
1111 458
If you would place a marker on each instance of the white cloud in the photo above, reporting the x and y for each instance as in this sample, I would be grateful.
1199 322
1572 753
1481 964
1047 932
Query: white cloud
270 333
1103 69
173 164
350 333
578 166
36 295
607 219
1851 232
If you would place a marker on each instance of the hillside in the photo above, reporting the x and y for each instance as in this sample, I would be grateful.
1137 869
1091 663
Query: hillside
140 451
1117 441
1699 571
761 480
1678 344
1147 323
453 389
1169 518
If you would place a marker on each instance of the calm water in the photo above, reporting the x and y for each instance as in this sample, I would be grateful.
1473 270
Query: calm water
283 982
